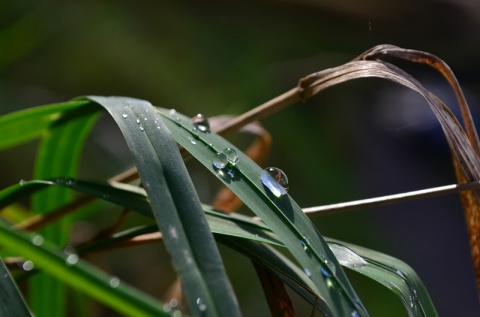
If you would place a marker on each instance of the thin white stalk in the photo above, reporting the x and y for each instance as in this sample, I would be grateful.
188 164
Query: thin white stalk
389 199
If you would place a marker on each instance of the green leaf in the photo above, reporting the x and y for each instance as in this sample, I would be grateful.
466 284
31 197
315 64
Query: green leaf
12 303
175 205
69 269
388 271
26 125
59 154
282 215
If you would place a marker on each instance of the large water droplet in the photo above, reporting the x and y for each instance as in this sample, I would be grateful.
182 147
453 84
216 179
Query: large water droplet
38 240
28 266
231 155
114 282
275 180
201 305
201 123
220 161
125 116
346 256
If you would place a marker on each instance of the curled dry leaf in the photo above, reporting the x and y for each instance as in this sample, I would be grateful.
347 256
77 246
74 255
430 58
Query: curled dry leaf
464 172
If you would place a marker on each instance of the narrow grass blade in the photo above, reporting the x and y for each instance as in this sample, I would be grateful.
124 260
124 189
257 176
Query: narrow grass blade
26 125
175 205
59 154
281 214
12 303
388 271
69 269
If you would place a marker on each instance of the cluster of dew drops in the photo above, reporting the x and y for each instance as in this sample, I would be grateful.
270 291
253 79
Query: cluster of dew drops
272 178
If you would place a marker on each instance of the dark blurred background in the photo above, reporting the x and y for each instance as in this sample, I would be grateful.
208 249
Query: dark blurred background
358 140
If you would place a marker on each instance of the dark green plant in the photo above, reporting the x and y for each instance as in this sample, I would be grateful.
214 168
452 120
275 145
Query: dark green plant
159 140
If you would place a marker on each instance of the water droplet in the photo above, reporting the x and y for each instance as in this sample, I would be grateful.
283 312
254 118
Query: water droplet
70 182
231 173
138 121
28 266
220 161
329 282
114 282
305 244
38 240
192 140
308 272
331 266
346 256
145 118
141 128
72 259
324 272
22 182
125 116
231 155
201 305
172 112
275 180
201 123
167 308
69 250
355 314
173 302
195 131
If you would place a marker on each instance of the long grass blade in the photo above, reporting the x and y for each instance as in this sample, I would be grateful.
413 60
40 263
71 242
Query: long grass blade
175 205
58 156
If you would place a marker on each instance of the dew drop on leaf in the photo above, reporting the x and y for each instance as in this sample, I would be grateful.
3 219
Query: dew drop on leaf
220 161
201 305
201 123
125 116
28 266
324 272
308 272
72 259
138 121
114 282
38 240
192 140
275 180
355 314
231 155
